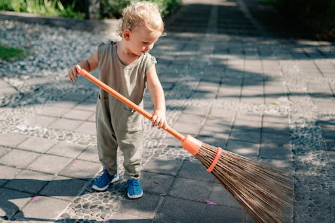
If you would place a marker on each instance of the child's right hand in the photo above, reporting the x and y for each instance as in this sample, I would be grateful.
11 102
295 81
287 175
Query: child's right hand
72 72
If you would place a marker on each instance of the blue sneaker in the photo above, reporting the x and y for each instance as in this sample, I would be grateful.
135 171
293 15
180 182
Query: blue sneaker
103 182
134 188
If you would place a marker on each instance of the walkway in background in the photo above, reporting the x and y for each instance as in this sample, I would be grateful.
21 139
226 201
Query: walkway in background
229 80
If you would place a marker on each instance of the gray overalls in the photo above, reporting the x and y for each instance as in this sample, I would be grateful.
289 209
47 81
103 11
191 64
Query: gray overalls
117 124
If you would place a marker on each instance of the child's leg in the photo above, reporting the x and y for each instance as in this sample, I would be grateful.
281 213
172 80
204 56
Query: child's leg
129 136
106 139
132 146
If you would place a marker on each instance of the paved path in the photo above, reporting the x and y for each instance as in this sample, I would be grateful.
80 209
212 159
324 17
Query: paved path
229 81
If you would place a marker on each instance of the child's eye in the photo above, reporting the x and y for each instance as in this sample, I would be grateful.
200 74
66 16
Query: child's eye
145 43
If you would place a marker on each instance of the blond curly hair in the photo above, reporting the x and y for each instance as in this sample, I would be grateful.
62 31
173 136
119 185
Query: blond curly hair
141 13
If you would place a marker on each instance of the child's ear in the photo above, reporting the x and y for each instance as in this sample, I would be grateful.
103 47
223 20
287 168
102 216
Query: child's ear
126 34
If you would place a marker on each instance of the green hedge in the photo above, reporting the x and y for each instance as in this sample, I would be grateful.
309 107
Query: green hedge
77 8
113 8
318 15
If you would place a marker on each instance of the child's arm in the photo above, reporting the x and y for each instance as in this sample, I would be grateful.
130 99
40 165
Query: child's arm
157 95
89 64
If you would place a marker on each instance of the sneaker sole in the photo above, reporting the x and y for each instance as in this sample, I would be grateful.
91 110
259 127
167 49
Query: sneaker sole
100 189
135 196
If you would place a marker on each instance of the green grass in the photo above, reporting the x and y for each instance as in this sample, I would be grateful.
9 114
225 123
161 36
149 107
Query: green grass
10 53
42 7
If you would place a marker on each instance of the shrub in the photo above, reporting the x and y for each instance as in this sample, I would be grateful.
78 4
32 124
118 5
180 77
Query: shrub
113 8
319 15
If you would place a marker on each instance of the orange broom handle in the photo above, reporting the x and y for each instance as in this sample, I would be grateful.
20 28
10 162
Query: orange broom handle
126 101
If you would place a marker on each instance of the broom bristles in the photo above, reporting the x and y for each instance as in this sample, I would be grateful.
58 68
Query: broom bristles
262 191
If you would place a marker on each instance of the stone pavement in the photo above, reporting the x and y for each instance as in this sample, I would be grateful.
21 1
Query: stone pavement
228 80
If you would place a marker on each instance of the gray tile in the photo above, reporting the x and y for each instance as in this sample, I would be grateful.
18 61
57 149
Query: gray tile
179 210
269 138
145 208
221 214
67 149
44 208
193 190
77 114
273 151
246 135
87 128
7 173
40 120
12 201
90 154
195 171
18 158
156 183
64 188
66 124
29 181
246 149
37 144
4 150
157 165
119 217
50 164
11 140
81 169
222 197
52 111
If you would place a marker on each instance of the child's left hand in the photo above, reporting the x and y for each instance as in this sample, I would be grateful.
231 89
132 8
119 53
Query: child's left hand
158 119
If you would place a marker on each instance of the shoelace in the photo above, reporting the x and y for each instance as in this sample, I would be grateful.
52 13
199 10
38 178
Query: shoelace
105 177
133 183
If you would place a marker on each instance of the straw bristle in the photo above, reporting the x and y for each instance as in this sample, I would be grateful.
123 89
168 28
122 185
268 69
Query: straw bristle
262 191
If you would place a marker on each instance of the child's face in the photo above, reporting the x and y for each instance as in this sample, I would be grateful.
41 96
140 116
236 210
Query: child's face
142 40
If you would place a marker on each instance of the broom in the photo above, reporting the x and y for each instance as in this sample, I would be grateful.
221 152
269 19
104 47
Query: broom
262 191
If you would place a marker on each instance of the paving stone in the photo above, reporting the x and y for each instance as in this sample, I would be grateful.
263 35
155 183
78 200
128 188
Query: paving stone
191 189
163 166
39 120
221 196
29 181
12 201
50 164
52 111
90 154
271 151
247 149
179 210
245 135
145 209
195 171
63 188
45 208
18 158
156 183
66 124
119 217
221 214
77 114
4 150
66 149
81 170
86 106
87 128
37 144
11 140
69 104
269 138
7 173
276 128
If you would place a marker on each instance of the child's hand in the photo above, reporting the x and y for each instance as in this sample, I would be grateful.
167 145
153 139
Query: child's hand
158 119
72 72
